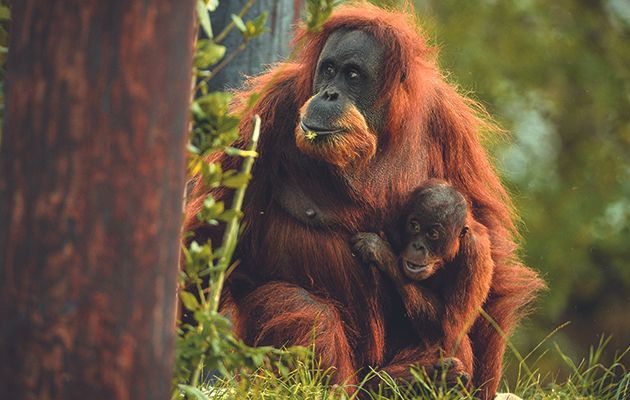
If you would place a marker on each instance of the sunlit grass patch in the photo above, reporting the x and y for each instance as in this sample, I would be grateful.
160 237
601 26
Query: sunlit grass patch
589 379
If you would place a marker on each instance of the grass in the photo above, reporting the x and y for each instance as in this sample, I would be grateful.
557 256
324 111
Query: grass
588 379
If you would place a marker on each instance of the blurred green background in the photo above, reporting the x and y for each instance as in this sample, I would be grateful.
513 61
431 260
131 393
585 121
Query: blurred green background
556 75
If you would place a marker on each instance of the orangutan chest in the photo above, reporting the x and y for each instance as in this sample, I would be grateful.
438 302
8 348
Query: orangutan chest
313 257
301 207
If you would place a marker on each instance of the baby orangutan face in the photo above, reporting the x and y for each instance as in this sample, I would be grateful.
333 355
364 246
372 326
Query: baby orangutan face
434 222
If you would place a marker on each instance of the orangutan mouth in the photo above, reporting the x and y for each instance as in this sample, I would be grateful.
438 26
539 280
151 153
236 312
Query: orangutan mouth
312 133
415 268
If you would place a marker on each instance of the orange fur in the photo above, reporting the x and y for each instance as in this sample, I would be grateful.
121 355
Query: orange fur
356 145
431 131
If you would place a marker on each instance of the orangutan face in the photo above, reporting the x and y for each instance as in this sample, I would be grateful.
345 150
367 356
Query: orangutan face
341 121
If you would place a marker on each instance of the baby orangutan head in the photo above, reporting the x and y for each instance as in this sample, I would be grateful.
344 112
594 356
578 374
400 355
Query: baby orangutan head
434 222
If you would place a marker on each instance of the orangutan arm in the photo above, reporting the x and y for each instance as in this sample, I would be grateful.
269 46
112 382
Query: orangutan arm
422 305
468 287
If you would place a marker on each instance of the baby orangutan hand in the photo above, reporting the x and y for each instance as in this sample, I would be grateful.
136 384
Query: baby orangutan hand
372 249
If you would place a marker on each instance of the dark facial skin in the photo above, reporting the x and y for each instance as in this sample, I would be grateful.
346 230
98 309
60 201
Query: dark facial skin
432 228
347 72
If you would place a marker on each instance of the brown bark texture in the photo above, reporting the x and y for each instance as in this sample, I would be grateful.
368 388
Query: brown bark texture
91 183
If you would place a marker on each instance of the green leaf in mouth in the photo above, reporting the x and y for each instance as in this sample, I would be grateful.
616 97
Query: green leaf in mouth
310 135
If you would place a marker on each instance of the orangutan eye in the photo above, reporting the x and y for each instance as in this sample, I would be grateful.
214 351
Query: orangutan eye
414 226
352 75
433 234
329 70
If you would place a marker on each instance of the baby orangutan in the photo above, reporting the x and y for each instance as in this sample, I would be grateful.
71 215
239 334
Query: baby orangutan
442 269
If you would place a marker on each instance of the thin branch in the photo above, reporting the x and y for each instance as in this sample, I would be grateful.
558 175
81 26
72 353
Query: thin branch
219 38
231 231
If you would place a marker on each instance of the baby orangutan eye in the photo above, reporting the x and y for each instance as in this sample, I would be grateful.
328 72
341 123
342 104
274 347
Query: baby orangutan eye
433 234
414 226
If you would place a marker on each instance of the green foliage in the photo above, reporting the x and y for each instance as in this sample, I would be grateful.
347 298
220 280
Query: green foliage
318 11
207 53
253 28
210 51
208 345
214 127
203 6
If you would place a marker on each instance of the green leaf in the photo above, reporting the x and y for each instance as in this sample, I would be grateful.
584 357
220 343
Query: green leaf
189 301
215 103
195 162
209 202
229 123
196 109
208 53
229 215
317 12
233 151
252 99
191 148
217 208
257 25
204 17
193 391
212 5
212 174
259 22
251 29
238 21
236 181
211 210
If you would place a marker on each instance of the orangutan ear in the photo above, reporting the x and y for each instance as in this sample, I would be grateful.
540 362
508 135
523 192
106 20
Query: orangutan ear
464 231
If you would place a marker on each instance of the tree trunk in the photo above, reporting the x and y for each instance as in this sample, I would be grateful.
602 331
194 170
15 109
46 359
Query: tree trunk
91 180
261 51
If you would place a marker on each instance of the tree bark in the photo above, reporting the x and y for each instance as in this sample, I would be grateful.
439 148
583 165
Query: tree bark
91 181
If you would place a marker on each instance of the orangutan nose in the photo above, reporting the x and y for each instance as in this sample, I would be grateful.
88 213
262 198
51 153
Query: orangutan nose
330 95
419 247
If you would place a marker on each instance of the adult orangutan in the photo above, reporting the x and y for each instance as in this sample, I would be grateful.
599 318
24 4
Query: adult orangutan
350 128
